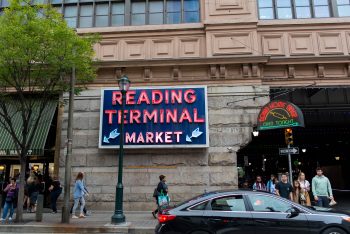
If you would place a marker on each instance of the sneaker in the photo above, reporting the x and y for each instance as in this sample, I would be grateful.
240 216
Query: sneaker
10 220
2 220
81 216
75 217
54 212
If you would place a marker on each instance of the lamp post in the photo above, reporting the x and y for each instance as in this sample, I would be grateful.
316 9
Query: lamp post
119 217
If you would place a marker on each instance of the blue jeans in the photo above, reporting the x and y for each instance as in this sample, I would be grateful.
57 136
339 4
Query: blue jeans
323 201
7 206
76 203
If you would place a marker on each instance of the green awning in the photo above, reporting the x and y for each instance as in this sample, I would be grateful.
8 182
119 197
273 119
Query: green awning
7 145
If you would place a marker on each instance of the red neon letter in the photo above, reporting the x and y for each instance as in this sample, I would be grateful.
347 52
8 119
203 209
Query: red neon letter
168 137
116 97
135 116
195 116
110 114
185 116
190 96
176 95
157 97
130 97
143 98
171 115
150 116
140 138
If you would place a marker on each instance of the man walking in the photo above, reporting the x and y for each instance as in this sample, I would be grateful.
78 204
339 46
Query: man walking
284 188
321 188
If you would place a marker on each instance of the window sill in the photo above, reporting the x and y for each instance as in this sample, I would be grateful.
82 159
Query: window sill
162 27
277 22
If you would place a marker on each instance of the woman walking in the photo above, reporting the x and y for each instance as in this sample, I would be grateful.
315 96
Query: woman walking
79 193
33 187
11 200
304 184
162 188
55 191
300 195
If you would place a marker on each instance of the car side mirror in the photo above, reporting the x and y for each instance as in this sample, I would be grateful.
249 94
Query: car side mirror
292 212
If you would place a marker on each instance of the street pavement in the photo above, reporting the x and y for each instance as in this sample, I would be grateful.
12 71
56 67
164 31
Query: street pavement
97 222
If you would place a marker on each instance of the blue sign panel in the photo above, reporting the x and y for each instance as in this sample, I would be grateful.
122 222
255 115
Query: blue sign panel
165 117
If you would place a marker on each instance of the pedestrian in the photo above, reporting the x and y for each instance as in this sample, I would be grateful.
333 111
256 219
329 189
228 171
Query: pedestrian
322 189
162 188
300 195
79 193
304 184
259 184
55 191
33 192
10 200
271 184
284 188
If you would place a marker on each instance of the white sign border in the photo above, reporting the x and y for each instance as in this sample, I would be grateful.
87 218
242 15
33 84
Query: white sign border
100 146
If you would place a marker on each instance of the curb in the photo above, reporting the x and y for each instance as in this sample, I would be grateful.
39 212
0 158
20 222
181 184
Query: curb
74 229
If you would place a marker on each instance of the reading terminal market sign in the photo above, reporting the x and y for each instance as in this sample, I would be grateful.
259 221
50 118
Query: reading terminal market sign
159 117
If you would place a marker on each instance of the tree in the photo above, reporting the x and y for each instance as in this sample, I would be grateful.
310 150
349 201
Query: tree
38 51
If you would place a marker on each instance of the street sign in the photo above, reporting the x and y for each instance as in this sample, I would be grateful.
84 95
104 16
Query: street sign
292 150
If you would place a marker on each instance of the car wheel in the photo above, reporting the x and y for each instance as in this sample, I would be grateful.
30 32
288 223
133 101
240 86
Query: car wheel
334 231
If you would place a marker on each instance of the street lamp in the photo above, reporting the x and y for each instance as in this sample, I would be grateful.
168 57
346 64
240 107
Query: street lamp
119 217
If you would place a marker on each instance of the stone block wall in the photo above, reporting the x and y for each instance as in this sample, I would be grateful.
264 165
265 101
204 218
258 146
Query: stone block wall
232 113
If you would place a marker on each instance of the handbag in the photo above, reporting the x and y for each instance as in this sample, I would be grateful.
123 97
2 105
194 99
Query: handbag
332 202
163 200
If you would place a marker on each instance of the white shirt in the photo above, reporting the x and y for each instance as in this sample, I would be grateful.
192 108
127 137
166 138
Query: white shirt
305 185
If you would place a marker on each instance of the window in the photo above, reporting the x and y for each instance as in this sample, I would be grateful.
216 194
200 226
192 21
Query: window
231 203
343 7
302 9
266 9
118 11
191 11
268 204
70 15
138 13
284 9
85 19
156 9
101 18
201 206
321 8
173 11
105 13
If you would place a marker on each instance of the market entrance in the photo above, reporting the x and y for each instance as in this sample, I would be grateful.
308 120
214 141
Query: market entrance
324 142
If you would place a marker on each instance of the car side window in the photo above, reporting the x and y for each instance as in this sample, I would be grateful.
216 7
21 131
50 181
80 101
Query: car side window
230 203
201 206
268 204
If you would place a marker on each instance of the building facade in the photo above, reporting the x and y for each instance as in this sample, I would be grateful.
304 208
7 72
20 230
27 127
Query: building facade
239 49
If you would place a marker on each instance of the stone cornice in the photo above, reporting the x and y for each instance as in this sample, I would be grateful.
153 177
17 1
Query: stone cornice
185 61
309 60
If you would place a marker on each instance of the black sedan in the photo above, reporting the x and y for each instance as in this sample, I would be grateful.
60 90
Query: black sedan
249 212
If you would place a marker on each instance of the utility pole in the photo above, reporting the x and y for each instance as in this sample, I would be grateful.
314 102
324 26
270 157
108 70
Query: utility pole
290 166
68 163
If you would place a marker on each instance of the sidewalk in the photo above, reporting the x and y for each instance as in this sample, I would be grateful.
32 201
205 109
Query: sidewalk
98 222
